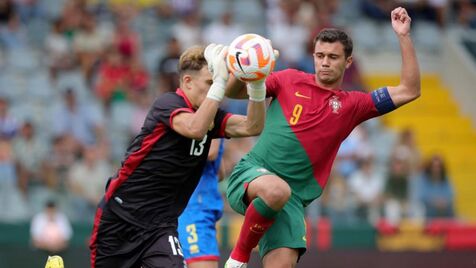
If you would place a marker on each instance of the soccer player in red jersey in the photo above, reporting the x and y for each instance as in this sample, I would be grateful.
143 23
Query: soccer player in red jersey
308 118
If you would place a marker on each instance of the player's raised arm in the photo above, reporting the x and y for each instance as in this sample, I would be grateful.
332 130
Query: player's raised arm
196 125
235 89
409 87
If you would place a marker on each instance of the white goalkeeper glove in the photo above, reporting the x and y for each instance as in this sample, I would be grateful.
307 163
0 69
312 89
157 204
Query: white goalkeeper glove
215 56
257 89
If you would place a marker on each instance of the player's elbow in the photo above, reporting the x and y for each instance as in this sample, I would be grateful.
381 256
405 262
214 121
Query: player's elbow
415 92
197 134
255 129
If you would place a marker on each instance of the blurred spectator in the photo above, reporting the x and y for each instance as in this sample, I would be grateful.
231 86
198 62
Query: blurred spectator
406 149
435 191
181 7
58 162
138 77
377 10
50 230
222 31
58 50
466 13
71 17
30 152
8 124
367 185
126 41
397 191
337 203
86 181
433 11
13 35
112 77
84 123
119 76
289 28
167 67
89 43
356 146
12 204
188 30
28 9
7 11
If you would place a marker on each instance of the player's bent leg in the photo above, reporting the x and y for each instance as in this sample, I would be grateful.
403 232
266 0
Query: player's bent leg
274 191
281 258
266 195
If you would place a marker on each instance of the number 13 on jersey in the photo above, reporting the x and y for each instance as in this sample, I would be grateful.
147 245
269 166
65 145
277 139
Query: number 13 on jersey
198 146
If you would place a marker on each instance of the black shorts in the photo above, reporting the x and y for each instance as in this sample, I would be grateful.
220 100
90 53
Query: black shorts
117 243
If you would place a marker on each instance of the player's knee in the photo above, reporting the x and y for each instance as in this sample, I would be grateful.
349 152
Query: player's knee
277 193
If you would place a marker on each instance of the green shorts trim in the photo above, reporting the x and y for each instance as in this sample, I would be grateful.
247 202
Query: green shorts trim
289 228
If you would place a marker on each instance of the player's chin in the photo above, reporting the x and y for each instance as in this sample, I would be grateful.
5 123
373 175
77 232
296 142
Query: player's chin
327 78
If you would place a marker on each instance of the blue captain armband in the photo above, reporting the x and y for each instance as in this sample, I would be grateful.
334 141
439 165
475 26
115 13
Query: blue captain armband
382 100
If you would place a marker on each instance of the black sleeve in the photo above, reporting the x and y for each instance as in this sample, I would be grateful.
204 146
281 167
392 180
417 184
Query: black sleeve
167 106
219 124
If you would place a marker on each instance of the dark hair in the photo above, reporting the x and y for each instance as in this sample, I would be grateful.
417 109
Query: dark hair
331 35
443 175
50 203
192 59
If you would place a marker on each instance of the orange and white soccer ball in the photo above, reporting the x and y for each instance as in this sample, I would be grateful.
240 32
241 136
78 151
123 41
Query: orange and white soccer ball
250 57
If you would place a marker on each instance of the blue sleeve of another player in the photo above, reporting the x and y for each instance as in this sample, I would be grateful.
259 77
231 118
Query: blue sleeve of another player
217 161
382 100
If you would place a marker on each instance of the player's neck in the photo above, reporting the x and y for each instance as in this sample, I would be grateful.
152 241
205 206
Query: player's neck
331 87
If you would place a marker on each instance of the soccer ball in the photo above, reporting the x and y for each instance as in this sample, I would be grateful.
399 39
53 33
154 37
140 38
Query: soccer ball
250 57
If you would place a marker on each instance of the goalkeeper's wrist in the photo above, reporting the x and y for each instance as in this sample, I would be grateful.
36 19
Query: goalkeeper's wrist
217 90
256 91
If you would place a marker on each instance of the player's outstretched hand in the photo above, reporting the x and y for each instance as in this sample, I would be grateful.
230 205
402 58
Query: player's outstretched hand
257 89
401 21
215 55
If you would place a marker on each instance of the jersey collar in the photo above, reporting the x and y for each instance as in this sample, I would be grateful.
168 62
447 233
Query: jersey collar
180 92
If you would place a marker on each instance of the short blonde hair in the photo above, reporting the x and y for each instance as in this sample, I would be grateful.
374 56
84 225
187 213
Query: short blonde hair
192 60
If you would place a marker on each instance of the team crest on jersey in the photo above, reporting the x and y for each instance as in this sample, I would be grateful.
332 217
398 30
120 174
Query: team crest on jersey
335 104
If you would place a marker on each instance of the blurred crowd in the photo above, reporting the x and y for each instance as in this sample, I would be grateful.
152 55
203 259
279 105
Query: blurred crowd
77 78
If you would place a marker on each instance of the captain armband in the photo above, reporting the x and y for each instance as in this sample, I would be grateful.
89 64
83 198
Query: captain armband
382 100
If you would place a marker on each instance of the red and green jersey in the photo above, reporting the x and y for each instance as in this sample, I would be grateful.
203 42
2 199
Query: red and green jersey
304 128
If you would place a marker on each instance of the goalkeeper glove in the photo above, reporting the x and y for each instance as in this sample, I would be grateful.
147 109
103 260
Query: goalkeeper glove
215 56
257 89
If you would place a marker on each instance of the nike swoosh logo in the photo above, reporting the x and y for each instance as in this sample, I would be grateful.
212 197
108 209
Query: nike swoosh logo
237 56
297 94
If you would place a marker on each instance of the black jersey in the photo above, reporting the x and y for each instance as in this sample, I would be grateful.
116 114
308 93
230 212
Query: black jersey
161 167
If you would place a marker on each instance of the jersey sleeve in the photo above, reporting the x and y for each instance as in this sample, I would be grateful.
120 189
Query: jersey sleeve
164 109
272 85
219 125
364 106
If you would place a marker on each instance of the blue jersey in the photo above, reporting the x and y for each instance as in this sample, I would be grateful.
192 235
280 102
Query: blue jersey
206 195
196 228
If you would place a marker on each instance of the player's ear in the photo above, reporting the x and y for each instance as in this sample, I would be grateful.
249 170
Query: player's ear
186 81
348 62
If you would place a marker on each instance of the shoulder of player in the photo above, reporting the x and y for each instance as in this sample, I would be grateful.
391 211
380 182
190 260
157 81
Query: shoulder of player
292 75
290 71
170 99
